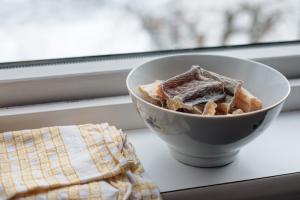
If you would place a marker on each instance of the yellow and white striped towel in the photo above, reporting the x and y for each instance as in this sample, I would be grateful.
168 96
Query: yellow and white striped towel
71 162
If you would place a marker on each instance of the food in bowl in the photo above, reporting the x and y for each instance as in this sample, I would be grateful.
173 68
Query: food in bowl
201 92
209 141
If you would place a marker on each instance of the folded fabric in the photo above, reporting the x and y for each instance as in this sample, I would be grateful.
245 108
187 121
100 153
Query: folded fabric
72 162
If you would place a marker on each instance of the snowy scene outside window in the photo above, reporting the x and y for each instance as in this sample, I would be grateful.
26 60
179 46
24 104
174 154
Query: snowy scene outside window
34 29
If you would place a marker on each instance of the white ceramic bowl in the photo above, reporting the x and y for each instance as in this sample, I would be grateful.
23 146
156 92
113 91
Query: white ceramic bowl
216 140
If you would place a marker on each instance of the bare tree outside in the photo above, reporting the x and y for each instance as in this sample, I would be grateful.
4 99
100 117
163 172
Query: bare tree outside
259 26
33 29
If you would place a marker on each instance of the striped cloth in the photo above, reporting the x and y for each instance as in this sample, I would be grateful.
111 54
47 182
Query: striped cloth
71 162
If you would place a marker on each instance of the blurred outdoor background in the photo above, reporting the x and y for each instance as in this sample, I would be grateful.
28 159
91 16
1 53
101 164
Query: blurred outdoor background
40 29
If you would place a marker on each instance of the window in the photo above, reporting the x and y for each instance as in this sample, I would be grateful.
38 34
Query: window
34 30
93 89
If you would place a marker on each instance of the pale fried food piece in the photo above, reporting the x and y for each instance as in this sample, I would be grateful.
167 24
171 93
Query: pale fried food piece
226 106
237 111
246 101
209 108
176 104
150 92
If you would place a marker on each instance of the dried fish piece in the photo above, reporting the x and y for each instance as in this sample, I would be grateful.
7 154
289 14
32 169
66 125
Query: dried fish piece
231 85
191 94
189 89
149 92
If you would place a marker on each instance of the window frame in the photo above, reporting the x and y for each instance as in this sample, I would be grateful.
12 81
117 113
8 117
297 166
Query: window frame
80 78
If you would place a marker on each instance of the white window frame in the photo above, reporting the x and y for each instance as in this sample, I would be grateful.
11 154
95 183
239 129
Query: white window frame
92 89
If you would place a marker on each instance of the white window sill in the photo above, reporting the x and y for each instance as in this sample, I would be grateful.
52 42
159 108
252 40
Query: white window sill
275 152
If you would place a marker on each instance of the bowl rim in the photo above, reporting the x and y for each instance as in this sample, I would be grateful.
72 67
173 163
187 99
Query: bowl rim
208 116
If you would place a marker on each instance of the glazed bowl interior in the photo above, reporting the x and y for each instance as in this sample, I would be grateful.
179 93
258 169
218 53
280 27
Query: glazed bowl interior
264 82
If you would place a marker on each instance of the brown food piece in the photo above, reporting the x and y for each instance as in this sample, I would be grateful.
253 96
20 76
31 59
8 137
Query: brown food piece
198 109
219 113
209 108
149 92
227 105
246 101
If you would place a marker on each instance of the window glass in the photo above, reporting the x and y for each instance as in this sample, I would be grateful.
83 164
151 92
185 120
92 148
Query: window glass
35 29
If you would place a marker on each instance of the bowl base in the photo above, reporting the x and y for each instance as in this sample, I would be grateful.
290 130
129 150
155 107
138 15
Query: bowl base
207 161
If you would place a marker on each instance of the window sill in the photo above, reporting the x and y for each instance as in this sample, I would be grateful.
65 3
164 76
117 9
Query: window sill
274 153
